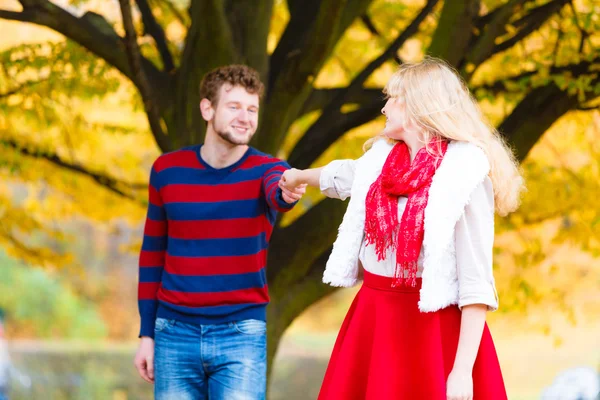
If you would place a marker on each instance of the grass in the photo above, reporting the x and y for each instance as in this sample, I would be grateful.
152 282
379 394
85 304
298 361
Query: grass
102 370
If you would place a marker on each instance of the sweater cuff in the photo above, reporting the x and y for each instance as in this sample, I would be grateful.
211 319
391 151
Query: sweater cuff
283 205
478 295
147 326
327 180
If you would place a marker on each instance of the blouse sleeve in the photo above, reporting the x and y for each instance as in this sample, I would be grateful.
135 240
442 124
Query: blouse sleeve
474 247
336 179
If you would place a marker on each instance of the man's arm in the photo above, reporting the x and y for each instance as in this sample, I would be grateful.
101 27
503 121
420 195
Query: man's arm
277 198
151 264
152 257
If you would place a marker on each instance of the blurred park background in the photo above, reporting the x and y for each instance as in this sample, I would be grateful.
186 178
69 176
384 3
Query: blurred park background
88 102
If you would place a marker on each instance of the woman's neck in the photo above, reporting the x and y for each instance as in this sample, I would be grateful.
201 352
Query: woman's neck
415 142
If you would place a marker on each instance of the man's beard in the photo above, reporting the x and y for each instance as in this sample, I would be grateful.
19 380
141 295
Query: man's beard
229 137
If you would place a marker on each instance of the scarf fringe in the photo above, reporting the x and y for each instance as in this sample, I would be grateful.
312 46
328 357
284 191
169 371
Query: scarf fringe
405 274
382 243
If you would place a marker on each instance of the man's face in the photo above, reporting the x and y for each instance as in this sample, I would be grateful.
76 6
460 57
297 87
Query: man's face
235 117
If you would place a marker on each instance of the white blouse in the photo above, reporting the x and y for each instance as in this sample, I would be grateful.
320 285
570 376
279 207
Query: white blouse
474 237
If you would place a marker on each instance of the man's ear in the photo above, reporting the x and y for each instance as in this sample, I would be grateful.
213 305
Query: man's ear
206 109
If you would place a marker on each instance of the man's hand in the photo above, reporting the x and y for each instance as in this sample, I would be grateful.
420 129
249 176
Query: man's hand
144 359
291 196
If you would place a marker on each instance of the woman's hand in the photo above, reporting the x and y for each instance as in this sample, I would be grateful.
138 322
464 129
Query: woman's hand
460 385
291 179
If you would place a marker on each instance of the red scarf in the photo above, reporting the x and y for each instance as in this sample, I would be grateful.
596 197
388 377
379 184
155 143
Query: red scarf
401 178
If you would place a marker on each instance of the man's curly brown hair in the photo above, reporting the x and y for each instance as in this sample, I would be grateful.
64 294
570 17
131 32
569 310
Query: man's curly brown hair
235 75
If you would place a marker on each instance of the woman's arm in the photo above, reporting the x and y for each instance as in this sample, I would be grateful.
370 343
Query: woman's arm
295 177
335 179
474 238
474 242
460 380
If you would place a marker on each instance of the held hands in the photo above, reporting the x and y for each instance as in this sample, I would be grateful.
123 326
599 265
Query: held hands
290 179
144 359
459 385
291 186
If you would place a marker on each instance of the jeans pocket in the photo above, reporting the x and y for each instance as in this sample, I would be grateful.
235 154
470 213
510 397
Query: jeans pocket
250 327
161 324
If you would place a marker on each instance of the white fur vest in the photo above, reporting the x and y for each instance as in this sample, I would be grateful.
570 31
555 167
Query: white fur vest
463 168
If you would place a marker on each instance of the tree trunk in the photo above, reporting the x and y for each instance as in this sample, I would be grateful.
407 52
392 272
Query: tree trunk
291 301
547 104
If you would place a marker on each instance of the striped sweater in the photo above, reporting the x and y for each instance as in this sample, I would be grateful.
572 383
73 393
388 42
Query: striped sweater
206 236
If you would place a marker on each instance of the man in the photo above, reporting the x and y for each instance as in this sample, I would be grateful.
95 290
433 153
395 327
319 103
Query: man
202 282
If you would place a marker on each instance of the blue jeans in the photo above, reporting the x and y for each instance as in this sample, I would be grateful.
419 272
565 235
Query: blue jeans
217 362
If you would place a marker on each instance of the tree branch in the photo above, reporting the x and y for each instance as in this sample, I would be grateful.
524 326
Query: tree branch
501 86
292 86
366 20
370 25
291 82
301 27
482 21
21 87
326 130
158 34
559 36
91 31
139 77
493 26
454 30
530 23
485 19
410 30
104 180
293 37
304 155
318 44
173 9
576 70
320 98
483 45
24 16
34 254
588 108
584 34
548 104
94 33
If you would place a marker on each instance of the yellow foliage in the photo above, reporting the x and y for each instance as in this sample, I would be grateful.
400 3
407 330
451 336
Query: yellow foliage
543 252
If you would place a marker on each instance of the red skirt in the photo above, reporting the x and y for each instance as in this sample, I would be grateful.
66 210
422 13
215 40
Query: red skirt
388 349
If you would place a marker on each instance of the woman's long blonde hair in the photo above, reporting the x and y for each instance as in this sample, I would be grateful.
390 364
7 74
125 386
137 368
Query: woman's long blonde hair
439 102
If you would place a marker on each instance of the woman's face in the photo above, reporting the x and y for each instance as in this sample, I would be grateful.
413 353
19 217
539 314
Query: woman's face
397 125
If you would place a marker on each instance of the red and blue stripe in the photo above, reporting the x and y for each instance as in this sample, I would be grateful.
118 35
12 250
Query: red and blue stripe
206 237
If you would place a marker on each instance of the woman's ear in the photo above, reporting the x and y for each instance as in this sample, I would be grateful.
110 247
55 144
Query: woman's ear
206 109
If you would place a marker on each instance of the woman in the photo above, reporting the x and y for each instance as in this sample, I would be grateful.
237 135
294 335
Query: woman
421 223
